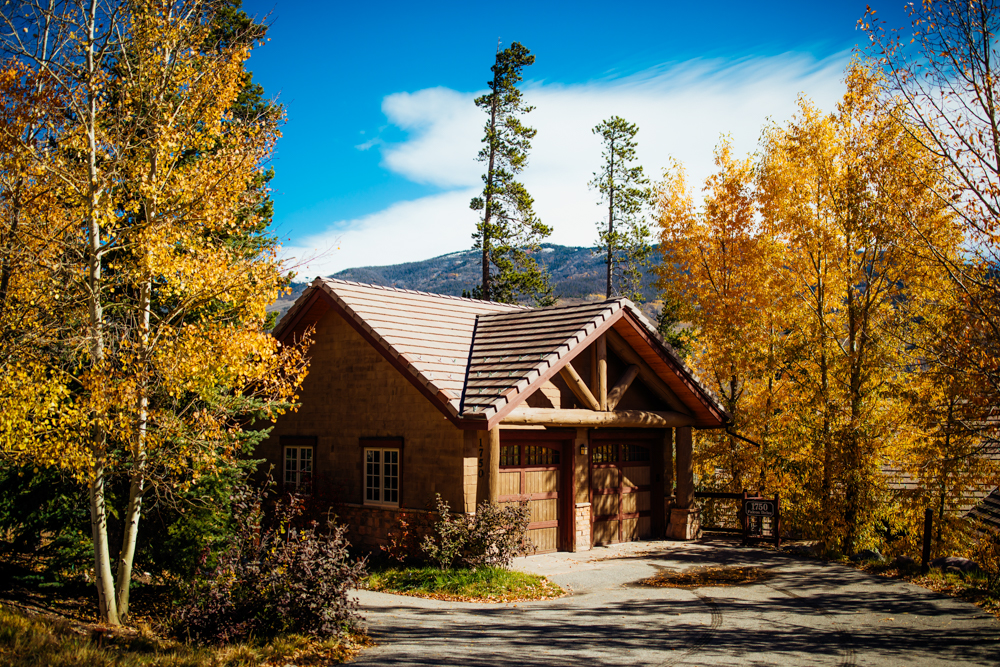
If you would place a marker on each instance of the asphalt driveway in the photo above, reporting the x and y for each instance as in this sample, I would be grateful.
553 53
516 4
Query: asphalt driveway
810 613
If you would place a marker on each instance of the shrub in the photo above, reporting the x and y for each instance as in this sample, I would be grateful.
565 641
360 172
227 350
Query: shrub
402 542
986 554
275 577
492 537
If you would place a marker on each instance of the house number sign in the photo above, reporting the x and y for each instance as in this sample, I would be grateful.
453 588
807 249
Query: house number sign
754 507
482 469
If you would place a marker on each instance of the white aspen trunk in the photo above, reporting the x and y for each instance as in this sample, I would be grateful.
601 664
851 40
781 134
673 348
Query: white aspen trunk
134 511
102 557
98 511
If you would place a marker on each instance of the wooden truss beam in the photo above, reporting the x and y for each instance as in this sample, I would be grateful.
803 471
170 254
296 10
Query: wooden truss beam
622 386
578 386
646 374
602 372
522 415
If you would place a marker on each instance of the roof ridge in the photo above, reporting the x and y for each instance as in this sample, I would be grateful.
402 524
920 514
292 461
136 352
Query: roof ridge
587 304
421 293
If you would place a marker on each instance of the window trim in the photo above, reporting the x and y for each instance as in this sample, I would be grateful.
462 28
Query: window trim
299 443
382 444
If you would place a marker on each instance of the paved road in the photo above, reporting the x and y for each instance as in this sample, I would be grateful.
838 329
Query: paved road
810 613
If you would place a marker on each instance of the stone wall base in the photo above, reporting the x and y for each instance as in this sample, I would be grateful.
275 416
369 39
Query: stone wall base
371 528
581 537
685 524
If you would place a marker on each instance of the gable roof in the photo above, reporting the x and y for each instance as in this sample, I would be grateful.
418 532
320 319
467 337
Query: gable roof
988 510
477 360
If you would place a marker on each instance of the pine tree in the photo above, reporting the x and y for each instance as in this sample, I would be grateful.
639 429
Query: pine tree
624 240
508 230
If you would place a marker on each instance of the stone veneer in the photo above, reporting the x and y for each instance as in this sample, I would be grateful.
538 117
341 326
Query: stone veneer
582 540
369 528
685 524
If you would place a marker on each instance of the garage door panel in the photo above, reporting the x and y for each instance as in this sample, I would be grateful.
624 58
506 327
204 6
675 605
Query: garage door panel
605 504
635 476
635 502
510 483
541 481
605 532
544 510
636 529
532 470
621 497
604 478
544 539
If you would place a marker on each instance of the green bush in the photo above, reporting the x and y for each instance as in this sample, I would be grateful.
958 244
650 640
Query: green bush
44 515
492 537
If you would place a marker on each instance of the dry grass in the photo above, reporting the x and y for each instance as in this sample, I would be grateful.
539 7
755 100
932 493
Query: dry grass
31 639
708 576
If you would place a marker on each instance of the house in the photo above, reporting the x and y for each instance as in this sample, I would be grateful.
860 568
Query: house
581 409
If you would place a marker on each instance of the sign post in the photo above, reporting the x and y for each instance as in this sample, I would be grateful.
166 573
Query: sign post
761 519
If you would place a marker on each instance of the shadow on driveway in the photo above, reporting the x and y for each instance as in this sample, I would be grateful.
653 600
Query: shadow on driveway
810 613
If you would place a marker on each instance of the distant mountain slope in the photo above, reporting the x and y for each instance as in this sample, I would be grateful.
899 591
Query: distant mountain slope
577 275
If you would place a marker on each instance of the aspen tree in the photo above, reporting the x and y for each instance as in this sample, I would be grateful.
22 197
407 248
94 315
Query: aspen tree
179 266
942 86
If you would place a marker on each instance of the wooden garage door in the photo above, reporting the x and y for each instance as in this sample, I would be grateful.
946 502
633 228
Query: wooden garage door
620 490
532 471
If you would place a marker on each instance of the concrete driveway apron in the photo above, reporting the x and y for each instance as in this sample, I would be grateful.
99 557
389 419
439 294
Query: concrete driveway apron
810 613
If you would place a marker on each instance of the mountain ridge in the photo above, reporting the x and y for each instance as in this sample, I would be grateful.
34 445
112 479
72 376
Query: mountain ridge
577 275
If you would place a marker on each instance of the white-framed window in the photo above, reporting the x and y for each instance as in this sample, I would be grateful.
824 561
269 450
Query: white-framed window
299 466
382 476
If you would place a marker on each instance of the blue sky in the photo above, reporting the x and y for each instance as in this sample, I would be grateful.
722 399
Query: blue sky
376 164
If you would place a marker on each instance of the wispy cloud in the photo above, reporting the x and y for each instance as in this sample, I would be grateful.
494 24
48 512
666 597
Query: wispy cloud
682 109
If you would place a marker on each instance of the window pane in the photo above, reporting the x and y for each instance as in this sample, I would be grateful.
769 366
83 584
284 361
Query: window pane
536 455
509 455
635 453
291 467
372 474
390 476
605 453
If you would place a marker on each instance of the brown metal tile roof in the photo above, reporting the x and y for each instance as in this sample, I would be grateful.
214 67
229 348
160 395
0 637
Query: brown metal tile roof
512 351
988 510
478 359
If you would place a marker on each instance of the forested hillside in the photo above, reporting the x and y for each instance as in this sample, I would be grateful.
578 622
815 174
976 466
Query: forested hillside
577 274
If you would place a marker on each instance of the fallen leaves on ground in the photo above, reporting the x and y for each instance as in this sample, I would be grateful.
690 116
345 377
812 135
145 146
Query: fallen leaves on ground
708 576
323 653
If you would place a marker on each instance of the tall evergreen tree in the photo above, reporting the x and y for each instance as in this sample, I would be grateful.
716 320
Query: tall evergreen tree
508 230
624 189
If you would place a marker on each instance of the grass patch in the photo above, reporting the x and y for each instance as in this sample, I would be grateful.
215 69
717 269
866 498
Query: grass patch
34 640
708 576
485 584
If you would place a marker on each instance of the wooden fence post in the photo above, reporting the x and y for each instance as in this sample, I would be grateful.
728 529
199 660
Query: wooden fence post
925 566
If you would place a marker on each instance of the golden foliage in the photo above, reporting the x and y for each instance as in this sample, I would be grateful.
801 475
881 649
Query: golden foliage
811 297
137 269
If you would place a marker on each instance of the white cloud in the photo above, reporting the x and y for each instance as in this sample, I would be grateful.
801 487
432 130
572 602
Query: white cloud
681 109
445 127
403 232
